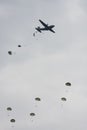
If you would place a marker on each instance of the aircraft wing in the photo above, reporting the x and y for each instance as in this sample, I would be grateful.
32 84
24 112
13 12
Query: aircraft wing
43 23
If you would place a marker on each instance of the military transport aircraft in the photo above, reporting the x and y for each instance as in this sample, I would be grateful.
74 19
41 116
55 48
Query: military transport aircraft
45 28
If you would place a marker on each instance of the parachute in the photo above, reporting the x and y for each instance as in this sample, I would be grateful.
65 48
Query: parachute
9 108
34 34
12 120
37 99
68 84
19 45
63 99
32 114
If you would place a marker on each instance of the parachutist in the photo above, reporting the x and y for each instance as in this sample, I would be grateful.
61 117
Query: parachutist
34 34
19 45
10 52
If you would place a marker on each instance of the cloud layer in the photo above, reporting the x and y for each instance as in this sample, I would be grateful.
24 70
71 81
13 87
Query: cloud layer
42 66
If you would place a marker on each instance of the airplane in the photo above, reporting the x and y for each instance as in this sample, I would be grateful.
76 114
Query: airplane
45 28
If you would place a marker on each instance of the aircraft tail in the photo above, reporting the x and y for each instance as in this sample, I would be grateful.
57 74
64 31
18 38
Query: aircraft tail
38 29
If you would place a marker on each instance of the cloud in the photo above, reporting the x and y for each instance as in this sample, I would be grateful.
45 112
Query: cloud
44 63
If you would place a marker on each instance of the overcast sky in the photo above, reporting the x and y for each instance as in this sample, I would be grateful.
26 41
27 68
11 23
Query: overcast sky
43 64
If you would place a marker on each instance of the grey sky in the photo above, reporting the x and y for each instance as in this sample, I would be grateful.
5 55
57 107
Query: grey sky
44 63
